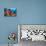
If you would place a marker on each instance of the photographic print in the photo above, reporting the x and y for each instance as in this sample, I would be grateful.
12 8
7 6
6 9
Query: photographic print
10 12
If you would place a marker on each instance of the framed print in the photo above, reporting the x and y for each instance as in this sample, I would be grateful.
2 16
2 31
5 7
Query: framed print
10 12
